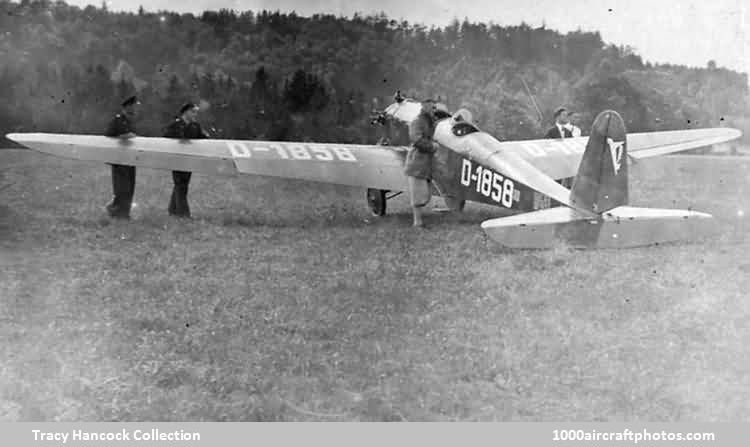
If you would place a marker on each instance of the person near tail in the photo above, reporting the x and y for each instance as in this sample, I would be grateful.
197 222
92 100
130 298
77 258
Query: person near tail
574 119
559 129
562 129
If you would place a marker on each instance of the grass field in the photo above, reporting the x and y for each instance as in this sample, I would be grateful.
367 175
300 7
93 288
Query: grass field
284 301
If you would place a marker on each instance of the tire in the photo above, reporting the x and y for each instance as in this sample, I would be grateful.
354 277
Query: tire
376 201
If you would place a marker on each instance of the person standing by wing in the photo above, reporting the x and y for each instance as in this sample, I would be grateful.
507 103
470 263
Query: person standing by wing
418 166
572 125
185 126
559 130
562 129
123 177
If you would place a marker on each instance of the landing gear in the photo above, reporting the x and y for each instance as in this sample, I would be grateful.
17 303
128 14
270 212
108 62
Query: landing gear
451 204
377 199
454 204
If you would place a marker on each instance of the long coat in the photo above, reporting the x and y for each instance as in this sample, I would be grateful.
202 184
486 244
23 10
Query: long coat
419 158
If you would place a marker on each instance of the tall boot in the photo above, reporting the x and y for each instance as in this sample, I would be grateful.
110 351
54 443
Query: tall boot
120 205
178 203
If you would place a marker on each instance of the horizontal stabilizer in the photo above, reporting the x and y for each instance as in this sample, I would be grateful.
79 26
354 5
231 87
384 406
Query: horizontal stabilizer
621 227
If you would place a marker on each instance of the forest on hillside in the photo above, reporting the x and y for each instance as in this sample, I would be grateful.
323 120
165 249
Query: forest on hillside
271 75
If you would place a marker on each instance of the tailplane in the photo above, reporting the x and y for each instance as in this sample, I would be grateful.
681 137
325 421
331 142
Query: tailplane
620 227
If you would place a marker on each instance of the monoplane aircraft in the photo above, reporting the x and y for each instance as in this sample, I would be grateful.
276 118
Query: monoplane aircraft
520 177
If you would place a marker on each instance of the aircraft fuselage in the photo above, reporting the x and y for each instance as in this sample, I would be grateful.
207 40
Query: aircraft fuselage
460 169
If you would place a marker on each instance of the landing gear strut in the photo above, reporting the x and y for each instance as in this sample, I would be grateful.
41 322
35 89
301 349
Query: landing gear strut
377 199
454 204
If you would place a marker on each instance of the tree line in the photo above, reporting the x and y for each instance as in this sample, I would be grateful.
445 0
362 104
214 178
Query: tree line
280 76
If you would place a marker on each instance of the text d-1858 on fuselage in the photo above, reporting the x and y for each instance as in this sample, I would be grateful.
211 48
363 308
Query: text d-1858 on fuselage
488 183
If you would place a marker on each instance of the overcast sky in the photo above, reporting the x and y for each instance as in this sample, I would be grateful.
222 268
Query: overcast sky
686 32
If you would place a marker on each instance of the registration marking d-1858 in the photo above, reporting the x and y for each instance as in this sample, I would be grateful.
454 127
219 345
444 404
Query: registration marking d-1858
293 151
489 183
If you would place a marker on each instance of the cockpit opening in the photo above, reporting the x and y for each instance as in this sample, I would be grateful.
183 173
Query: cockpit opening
463 128
441 114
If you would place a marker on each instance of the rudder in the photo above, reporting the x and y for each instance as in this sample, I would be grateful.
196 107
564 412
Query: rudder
602 180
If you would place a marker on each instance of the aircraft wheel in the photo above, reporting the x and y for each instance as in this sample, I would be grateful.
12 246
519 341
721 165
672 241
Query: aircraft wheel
376 200
454 204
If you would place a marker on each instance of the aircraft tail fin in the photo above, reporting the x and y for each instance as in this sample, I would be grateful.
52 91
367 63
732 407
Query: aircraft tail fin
602 180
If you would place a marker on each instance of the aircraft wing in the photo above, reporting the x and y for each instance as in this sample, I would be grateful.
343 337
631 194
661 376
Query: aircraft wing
645 145
370 166
560 158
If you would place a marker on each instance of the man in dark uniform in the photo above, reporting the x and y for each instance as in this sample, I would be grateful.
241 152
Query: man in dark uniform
185 126
560 129
123 177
